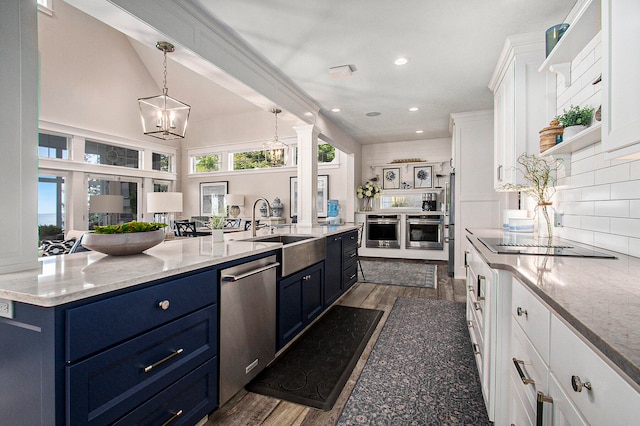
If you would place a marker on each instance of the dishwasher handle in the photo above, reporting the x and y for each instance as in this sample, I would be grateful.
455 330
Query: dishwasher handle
232 278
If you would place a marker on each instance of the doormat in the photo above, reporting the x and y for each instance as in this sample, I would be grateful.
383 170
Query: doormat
399 273
421 371
315 368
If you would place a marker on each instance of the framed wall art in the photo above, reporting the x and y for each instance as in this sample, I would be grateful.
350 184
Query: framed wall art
212 198
391 178
323 195
423 177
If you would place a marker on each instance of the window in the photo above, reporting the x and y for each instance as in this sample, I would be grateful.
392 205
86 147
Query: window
52 146
161 186
326 153
100 153
51 209
129 192
206 163
161 162
249 160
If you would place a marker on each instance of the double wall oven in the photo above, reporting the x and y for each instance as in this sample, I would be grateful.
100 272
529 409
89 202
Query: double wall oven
425 232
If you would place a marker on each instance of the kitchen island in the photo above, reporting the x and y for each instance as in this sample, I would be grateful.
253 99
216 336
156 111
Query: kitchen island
96 339
565 327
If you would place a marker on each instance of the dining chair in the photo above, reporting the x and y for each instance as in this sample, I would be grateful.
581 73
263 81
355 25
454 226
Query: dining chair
186 229
360 232
232 223
248 224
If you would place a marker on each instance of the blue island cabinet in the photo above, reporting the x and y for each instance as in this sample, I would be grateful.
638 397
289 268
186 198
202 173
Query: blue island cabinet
145 355
341 267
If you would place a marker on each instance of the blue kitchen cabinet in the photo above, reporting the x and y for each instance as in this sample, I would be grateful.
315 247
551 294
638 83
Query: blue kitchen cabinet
349 259
333 270
132 355
300 301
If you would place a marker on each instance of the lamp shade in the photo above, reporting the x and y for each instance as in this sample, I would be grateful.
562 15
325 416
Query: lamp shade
164 202
106 204
234 200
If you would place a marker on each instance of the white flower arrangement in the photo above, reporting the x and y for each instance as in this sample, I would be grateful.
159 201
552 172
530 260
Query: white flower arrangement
368 190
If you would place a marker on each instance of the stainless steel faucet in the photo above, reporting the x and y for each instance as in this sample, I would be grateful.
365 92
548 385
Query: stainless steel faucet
254 227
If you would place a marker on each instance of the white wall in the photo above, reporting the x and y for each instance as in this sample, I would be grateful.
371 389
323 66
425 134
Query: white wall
600 198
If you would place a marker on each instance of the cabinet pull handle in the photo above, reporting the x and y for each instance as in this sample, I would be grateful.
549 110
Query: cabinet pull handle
164 305
352 276
522 312
353 254
499 172
470 324
480 279
466 260
540 400
476 349
477 306
175 415
163 360
577 384
526 381
471 289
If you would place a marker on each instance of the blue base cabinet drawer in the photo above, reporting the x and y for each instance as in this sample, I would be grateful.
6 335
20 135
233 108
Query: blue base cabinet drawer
350 276
106 386
97 325
183 403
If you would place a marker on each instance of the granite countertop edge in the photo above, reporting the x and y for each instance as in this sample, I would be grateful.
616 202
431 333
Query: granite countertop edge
616 359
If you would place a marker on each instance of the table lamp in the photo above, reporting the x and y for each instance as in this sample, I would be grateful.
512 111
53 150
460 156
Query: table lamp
164 203
106 204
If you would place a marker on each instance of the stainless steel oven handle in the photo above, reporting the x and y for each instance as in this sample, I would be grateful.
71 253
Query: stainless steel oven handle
233 278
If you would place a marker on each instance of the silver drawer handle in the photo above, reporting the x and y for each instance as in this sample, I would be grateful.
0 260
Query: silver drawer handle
352 276
522 312
164 305
306 277
526 381
476 349
471 289
470 324
162 361
577 384
175 415
477 306
353 255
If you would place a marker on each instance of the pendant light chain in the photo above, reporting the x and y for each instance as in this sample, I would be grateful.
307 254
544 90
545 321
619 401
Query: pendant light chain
164 64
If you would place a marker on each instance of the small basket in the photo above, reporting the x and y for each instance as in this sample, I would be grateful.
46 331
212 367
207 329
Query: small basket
548 135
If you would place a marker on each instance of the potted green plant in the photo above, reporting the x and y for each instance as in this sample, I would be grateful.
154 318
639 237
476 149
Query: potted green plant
575 120
540 176
216 224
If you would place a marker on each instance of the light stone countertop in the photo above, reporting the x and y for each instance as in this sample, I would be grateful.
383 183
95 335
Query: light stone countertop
600 298
68 278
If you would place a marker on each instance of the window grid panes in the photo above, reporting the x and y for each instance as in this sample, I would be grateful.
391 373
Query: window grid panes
53 146
161 162
206 163
100 153
253 160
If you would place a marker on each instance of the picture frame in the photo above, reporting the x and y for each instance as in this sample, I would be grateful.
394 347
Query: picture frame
212 198
391 178
422 177
323 195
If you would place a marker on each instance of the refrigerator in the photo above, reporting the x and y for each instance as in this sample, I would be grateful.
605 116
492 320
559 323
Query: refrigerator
451 235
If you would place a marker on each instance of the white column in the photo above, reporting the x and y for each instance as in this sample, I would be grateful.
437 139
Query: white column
19 124
307 174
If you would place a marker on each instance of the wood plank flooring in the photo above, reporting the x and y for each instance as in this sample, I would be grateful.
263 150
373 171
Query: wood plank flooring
247 408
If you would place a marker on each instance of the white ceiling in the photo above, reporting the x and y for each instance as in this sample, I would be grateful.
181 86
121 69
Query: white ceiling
453 47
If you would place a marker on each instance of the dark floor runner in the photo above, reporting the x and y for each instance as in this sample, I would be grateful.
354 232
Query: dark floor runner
315 368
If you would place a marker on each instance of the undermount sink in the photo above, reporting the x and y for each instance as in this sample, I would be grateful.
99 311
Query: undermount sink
298 251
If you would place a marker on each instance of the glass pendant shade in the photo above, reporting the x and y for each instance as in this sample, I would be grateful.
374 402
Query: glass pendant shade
275 152
162 116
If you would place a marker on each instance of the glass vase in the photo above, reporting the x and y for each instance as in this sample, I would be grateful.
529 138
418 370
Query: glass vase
544 213
367 204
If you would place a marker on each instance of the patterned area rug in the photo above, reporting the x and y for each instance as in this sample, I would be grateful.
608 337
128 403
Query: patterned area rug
399 273
420 372
315 368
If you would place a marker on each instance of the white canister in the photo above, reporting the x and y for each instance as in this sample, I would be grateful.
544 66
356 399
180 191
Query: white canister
508 214
521 224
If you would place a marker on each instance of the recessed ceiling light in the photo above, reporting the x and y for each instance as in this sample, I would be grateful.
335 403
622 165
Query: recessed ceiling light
419 131
413 109
373 114
335 109
401 61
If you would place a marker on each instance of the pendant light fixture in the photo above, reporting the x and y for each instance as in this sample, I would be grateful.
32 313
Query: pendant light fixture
164 117
275 151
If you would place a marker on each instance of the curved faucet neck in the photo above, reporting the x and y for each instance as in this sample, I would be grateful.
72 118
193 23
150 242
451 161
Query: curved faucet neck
254 227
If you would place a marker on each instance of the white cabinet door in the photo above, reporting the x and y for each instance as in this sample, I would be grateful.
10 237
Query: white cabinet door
621 85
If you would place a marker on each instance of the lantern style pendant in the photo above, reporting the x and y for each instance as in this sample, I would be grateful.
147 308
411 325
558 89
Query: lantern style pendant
275 151
162 116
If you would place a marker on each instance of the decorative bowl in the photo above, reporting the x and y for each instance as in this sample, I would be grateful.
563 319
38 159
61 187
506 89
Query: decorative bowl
122 244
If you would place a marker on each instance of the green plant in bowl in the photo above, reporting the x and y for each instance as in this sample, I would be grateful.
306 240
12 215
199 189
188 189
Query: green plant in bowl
576 116
129 227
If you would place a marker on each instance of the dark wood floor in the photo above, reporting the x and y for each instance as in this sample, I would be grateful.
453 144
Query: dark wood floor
247 408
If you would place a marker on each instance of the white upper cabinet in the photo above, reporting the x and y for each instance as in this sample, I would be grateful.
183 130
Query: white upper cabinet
523 104
621 85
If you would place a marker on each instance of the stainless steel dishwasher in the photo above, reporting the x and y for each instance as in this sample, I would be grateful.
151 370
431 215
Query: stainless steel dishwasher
247 323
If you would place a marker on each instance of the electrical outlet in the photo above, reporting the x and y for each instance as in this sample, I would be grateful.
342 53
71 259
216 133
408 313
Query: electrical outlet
6 308
557 220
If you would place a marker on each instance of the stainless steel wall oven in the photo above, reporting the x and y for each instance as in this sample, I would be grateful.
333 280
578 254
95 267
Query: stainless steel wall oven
425 232
383 231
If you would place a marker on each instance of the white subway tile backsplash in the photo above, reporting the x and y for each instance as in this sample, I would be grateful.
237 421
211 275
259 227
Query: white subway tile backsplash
595 223
582 166
628 227
583 179
580 235
589 151
582 208
574 194
634 247
571 221
598 192
619 173
634 169
625 190
611 242
615 208
634 209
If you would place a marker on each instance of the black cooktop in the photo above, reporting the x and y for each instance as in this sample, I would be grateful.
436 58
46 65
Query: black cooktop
518 244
